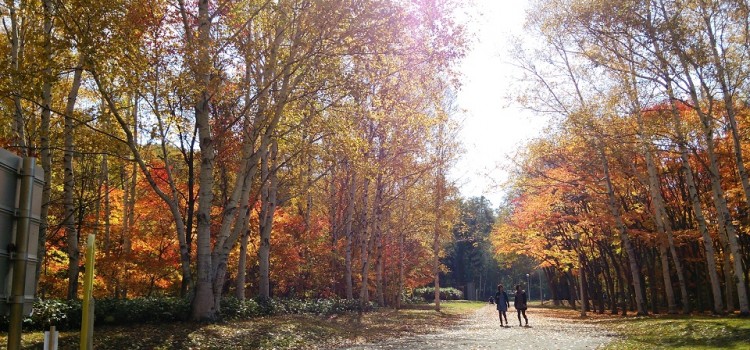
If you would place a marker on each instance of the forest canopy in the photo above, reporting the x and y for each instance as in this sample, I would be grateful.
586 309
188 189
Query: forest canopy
637 197
252 148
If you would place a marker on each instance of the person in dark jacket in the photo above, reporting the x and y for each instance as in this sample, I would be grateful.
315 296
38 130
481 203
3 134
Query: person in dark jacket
520 304
503 303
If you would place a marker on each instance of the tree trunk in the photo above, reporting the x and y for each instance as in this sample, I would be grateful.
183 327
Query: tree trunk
364 240
68 183
268 206
728 94
401 259
608 280
439 190
19 137
203 302
44 136
614 208
581 290
185 249
127 242
107 207
720 202
350 234
377 234
333 221
661 219
379 278
651 268
686 168
239 290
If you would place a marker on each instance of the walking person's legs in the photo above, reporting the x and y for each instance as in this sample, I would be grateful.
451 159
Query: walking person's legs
519 317
500 315
524 317
506 318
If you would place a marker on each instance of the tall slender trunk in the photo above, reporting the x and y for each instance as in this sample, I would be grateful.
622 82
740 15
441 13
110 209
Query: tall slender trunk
663 226
225 242
68 183
401 272
379 277
203 301
352 192
376 243
728 96
268 206
187 237
726 265
333 221
239 290
127 241
686 168
581 288
437 230
700 219
608 280
632 259
720 202
364 240
44 137
16 42
107 206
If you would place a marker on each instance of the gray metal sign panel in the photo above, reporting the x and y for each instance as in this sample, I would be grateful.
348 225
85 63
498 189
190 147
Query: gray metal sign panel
10 165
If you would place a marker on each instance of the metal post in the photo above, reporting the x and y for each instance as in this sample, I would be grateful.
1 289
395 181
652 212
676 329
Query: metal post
529 285
87 322
23 220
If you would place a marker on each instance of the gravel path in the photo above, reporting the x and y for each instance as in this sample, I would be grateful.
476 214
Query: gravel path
482 331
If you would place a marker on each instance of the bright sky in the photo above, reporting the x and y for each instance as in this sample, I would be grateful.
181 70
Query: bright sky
493 126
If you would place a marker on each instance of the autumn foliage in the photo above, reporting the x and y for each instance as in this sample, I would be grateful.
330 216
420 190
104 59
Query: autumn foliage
249 148
637 197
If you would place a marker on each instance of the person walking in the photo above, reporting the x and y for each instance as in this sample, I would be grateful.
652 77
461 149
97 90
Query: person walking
503 303
520 304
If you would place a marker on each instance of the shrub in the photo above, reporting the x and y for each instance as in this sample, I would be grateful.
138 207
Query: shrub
411 298
65 314
141 310
428 293
233 308
310 306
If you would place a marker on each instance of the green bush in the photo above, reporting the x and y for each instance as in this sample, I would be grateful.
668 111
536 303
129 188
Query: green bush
63 314
428 293
410 298
141 310
232 308
66 315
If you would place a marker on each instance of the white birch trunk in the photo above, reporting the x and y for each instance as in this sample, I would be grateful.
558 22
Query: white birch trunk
19 136
44 136
720 202
686 168
614 208
203 307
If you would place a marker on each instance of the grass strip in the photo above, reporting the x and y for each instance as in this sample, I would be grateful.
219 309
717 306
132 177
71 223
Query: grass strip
664 331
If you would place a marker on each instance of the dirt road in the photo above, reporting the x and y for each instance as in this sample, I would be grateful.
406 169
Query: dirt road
482 331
